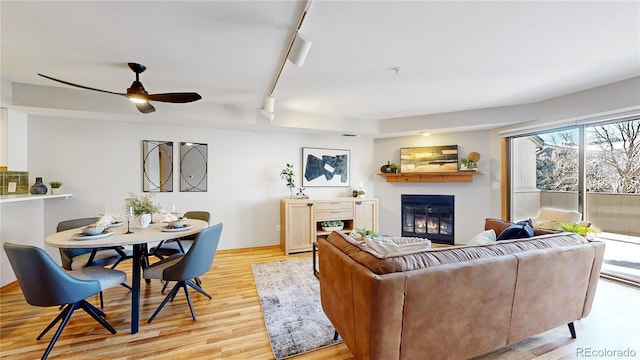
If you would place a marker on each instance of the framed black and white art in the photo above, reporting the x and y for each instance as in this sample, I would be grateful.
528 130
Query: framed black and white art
325 167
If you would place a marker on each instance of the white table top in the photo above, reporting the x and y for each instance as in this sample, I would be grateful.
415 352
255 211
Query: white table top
153 233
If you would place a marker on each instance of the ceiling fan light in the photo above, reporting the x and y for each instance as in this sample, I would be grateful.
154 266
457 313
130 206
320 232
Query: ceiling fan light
137 99
299 50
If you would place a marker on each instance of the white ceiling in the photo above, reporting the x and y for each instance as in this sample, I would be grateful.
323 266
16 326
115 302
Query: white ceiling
451 55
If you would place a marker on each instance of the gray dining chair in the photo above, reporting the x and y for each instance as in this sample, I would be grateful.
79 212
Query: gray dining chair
45 284
74 259
180 245
183 268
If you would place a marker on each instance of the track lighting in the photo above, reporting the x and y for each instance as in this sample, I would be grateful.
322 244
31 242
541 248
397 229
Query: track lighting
267 115
299 50
297 54
269 103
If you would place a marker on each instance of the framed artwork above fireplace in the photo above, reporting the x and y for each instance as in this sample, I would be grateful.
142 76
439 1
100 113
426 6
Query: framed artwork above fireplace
429 159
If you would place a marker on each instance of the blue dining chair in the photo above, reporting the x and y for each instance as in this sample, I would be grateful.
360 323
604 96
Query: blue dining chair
183 268
45 284
73 259
180 245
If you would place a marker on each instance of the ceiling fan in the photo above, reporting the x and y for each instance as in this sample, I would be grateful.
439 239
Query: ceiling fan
138 95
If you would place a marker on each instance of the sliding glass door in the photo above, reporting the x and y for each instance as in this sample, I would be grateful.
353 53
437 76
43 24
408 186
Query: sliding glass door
545 172
593 169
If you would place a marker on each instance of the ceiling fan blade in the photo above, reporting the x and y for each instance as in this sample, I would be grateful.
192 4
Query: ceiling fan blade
81 86
145 108
183 97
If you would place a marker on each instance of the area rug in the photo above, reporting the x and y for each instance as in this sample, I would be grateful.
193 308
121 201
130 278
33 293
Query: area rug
290 298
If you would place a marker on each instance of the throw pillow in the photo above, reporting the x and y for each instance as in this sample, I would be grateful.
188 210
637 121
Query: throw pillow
519 230
484 238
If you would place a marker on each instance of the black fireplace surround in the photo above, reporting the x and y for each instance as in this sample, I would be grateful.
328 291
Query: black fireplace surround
429 216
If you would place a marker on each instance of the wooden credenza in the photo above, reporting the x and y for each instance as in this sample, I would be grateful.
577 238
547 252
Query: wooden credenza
300 219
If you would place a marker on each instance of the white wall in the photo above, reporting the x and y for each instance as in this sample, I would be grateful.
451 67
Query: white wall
100 163
472 204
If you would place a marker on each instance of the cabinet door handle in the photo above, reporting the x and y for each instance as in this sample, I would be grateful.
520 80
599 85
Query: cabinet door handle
358 202
309 204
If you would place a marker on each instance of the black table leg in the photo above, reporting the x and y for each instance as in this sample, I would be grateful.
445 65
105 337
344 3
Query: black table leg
135 284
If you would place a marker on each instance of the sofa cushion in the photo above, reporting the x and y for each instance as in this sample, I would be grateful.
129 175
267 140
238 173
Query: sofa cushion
499 225
519 230
484 238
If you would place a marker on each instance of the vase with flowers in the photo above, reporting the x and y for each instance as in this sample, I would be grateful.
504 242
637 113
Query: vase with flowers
143 208
288 175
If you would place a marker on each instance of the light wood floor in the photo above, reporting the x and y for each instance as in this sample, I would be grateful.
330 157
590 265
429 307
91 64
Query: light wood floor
230 326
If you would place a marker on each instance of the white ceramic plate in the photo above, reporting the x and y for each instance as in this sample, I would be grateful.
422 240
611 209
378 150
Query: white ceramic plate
171 229
81 236
116 224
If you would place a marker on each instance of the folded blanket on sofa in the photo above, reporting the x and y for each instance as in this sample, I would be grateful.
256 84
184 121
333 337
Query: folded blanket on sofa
387 245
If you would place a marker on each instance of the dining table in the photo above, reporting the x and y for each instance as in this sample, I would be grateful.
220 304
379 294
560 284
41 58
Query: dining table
123 235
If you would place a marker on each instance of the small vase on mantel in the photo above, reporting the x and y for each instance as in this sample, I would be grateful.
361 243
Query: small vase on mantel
38 188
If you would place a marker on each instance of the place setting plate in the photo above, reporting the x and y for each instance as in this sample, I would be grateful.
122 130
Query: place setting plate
116 224
174 229
81 236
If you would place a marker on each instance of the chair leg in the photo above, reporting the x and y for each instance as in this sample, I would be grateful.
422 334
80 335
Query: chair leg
186 293
69 311
171 295
197 288
89 309
164 287
61 315
101 301
96 310
126 285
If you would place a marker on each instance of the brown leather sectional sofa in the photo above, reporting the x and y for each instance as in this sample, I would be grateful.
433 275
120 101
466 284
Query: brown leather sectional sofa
457 302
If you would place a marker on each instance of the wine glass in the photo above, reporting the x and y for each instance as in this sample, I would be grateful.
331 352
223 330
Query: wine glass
128 214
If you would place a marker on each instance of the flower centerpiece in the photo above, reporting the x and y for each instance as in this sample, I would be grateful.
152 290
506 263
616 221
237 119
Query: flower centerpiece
142 206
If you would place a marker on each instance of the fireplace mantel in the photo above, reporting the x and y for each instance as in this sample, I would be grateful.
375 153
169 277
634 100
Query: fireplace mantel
455 176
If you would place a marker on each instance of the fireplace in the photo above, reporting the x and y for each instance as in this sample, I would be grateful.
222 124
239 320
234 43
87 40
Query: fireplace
428 216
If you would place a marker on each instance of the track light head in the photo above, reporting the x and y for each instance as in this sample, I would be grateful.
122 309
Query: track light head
267 115
269 103
299 50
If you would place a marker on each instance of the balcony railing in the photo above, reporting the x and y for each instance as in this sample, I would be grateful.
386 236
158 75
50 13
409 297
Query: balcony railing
616 217
611 213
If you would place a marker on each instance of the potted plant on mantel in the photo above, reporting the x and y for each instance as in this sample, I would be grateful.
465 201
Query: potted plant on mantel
143 207
55 187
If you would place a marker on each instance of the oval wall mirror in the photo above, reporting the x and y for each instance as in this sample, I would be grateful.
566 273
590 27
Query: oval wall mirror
157 166
193 167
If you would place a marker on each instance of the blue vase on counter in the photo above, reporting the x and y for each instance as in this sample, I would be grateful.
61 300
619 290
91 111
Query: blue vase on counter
38 188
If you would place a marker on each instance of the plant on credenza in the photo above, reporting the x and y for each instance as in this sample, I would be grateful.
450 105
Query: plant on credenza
288 175
332 225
